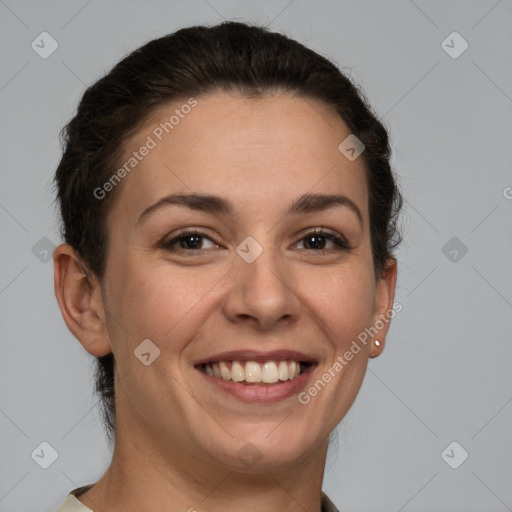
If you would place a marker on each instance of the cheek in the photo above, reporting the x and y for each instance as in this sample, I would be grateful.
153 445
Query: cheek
158 301
343 302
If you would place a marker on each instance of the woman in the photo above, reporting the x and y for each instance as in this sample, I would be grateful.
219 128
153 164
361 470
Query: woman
229 215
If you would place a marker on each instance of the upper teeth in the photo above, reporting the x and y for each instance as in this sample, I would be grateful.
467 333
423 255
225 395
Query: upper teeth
250 371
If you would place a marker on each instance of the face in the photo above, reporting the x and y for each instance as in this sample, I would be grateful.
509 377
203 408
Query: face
266 276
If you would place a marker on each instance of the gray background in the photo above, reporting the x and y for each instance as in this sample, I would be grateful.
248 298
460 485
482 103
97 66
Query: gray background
446 372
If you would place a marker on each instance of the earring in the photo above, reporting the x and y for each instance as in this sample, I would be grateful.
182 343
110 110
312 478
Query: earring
377 344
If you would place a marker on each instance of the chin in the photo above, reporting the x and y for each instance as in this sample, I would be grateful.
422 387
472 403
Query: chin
255 448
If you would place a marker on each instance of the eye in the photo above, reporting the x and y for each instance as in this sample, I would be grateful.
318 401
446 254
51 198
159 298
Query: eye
189 241
317 240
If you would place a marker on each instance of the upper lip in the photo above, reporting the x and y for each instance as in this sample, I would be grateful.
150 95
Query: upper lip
258 356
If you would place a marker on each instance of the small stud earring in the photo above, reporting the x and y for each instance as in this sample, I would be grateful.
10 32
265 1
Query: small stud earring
377 343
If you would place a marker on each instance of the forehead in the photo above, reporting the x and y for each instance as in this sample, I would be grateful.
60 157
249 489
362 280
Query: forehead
255 151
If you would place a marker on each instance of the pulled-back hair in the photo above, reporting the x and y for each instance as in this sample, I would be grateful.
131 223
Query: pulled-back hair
231 56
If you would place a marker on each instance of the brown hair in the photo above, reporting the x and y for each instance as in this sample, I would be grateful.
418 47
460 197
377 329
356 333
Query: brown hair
230 56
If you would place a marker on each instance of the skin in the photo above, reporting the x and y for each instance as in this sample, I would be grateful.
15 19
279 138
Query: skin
177 438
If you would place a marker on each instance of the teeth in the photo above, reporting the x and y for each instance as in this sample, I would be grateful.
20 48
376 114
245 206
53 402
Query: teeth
292 367
251 371
283 370
216 371
237 372
269 373
226 374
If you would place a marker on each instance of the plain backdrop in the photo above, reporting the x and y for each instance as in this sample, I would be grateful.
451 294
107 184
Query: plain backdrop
445 375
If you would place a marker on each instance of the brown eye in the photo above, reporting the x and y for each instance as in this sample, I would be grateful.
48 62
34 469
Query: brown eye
189 241
317 240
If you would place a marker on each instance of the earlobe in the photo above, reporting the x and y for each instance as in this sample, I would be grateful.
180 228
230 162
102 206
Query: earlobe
78 293
384 300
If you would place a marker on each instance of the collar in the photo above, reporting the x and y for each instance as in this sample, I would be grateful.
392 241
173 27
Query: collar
72 504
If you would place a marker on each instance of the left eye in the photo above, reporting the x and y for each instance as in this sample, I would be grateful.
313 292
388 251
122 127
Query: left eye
189 241
318 239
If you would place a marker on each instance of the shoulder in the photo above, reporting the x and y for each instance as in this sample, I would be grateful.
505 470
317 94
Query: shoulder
72 504
327 504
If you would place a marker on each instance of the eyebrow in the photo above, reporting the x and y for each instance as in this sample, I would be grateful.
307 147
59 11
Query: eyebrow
216 205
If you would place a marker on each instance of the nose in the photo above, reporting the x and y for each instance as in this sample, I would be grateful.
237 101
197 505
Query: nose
262 293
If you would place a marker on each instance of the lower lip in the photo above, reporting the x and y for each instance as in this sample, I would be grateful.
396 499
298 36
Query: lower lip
261 393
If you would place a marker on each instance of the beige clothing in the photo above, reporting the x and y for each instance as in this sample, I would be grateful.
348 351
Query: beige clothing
72 504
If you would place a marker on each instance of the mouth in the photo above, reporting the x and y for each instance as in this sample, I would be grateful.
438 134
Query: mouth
252 376
253 372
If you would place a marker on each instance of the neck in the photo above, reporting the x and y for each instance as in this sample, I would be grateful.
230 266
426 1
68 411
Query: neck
143 477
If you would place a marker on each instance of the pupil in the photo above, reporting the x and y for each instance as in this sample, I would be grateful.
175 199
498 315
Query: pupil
318 241
195 242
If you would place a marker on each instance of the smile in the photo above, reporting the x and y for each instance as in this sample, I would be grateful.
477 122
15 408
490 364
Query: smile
255 376
252 372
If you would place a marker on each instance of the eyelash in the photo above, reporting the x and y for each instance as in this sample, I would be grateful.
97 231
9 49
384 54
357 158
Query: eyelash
341 242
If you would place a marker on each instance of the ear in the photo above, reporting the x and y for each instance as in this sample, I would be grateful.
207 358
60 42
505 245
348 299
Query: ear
78 293
384 301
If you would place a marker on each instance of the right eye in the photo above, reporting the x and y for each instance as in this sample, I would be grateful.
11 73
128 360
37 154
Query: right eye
188 241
